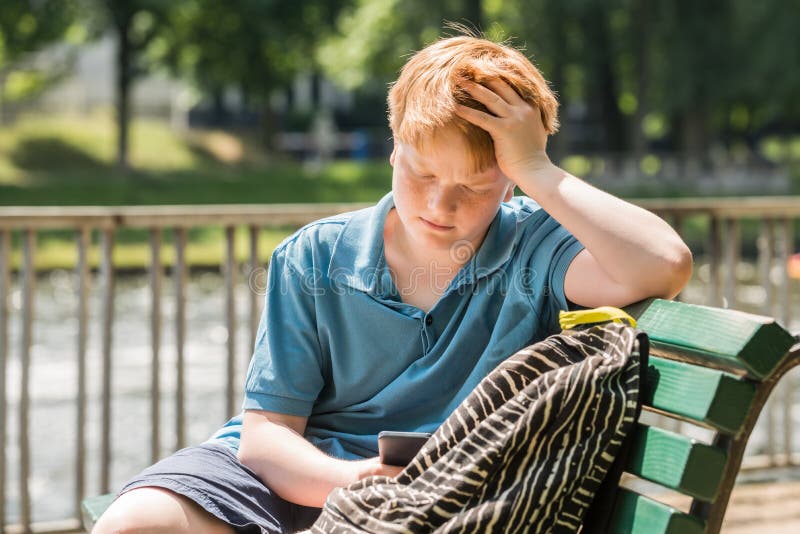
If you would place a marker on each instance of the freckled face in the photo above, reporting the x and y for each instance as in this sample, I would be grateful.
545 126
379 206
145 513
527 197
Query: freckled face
439 199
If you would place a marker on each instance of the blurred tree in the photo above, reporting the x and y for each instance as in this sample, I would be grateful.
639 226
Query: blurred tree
25 27
548 32
254 46
628 72
375 37
765 64
135 23
693 77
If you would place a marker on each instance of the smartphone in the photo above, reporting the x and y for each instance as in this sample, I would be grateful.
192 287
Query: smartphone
399 448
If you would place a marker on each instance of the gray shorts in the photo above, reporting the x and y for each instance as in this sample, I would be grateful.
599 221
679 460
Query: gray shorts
212 476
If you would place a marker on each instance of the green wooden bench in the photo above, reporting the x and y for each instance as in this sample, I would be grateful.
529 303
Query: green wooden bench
708 366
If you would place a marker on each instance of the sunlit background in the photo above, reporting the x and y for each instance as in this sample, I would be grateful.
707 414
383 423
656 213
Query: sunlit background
161 101
145 102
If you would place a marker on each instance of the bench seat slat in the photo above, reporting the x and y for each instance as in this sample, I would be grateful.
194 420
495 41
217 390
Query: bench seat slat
637 514
677 462
752 343
713 397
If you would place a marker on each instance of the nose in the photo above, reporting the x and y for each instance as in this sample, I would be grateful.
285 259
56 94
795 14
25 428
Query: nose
442 200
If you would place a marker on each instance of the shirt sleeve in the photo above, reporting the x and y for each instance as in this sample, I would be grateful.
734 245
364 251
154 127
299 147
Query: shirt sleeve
551 249
285 372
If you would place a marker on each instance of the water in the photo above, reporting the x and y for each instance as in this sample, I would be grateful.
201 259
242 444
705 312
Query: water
53 384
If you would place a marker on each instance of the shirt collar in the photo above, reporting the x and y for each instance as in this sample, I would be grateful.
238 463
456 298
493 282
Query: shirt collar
358 259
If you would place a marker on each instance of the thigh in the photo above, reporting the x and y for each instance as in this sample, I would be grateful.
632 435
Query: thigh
211 476
150 509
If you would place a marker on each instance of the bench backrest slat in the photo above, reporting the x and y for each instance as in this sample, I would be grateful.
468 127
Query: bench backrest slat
637 514
753 343
709 396
711 366
677 462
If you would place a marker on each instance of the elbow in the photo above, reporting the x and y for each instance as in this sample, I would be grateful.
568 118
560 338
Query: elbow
679 266
244 456
248 453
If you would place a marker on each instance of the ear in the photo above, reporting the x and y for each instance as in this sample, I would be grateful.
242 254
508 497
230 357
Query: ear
509 191
391 156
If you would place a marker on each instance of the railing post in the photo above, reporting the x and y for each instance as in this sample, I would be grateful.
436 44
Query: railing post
787 397
766 253
714 253
677 224
82 271
255 265
5 289
155 342
230 315
731 254
765 244
107 270
26 339
180 336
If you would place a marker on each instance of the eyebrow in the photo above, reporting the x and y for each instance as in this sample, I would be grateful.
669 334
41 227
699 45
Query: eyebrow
479 181
416 161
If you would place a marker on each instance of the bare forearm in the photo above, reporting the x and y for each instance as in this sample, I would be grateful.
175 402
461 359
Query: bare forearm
633 246
292 467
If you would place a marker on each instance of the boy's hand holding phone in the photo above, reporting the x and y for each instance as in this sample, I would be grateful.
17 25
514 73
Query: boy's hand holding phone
399 448
373 467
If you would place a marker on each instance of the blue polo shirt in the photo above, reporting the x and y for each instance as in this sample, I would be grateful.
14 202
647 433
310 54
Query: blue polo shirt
337 344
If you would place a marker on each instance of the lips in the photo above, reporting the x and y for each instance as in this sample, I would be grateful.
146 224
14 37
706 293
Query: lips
435 226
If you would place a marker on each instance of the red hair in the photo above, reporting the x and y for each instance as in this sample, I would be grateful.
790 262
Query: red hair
423 98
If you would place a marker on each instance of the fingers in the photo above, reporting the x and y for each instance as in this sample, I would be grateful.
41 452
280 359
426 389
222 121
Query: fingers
497 95
492 99
500 99
393 470
506 92
477 117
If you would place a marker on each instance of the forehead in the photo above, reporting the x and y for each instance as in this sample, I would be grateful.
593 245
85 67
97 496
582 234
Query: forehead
446 152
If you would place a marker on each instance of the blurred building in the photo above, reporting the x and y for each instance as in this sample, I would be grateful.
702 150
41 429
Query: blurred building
89 84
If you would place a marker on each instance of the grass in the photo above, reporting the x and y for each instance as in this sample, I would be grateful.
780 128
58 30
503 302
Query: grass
70 161
67 161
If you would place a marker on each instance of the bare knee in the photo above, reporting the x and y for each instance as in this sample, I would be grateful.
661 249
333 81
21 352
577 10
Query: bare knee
157 511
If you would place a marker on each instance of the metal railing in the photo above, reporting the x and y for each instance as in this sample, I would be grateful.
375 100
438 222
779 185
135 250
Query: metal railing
721 217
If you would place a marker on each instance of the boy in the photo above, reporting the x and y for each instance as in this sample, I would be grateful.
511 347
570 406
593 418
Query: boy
387 318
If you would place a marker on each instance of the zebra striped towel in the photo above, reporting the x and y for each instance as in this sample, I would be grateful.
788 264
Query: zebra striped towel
525 452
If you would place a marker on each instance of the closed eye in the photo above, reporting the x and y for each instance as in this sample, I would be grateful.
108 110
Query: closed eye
475 191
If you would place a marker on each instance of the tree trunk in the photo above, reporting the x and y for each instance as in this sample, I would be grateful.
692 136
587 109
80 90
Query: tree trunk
694 141
219 111
123 87
611 116
555 19
2 98
638 141
473 12
268 126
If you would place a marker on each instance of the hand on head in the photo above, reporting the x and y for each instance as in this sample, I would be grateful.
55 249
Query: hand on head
515 125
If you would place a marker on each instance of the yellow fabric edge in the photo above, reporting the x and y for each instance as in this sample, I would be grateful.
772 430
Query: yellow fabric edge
571 319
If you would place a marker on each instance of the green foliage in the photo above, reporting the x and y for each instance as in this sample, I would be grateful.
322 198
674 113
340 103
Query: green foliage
23 84
637 71
375 37
252 45
26 26
724 67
